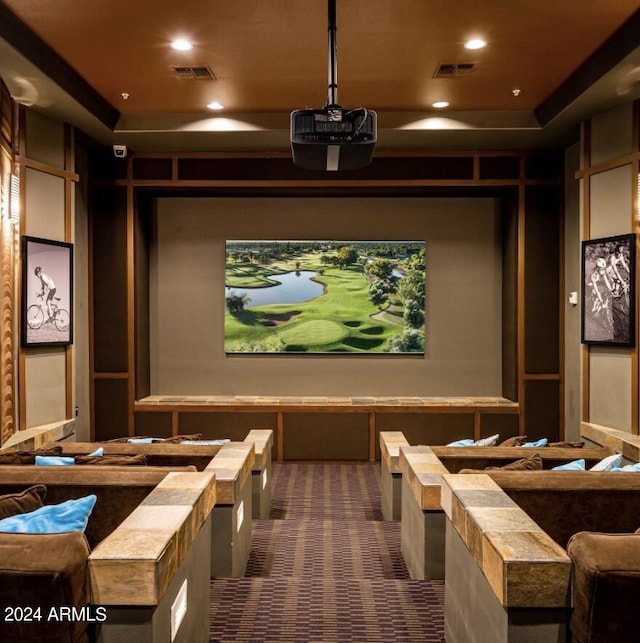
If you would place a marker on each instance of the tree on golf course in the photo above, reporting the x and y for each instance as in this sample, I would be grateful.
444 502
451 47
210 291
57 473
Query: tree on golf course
236 302
378 295
413 314
346 256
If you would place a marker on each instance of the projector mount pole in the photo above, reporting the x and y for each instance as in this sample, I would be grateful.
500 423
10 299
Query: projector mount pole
332 99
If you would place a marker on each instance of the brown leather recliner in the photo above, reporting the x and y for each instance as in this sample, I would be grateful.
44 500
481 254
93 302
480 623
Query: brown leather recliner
605 587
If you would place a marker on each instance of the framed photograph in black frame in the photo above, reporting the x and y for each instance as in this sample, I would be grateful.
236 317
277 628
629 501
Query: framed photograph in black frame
608 290
47 292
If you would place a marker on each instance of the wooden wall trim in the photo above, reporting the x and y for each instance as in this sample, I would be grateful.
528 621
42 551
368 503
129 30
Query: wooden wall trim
542 376
562 298
21 152
131 307
8 304
520 316
63 173
586 234
635 195
91 332
68 237
8 308
322 183
627 159
286 154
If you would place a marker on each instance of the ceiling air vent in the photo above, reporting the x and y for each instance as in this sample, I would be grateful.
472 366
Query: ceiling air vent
453 70
194 72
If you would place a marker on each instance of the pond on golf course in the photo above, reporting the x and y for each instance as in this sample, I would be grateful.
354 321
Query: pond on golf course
293 288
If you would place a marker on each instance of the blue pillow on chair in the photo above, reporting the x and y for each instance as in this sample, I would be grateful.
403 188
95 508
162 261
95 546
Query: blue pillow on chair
53 461
538 443
609 463
461 443
491 441
628 467
574 465
98 453
143 440
71 515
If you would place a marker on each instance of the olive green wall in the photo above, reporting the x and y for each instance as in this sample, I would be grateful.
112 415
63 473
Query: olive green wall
464 294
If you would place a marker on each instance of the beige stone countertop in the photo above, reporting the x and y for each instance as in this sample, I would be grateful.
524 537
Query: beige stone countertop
523 565
263 442
390 443
232 465
36 437
136 562
30 474
509 454
618 441
126 448
423 473
328 403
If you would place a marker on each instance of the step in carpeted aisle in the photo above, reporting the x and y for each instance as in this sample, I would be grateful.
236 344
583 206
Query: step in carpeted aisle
326 568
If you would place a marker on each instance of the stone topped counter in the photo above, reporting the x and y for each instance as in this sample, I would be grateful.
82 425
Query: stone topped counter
300 403
263 441
302 430
423 468
390 475
422 520
422 471
169 449
136 563
232 465
457 458
390 443
618 441
36 437
261 476
522 564
28 474
232 520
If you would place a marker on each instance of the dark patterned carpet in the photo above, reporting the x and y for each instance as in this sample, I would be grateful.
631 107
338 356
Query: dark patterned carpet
326 568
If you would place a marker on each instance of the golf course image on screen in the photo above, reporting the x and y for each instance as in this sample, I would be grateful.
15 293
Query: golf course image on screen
320 296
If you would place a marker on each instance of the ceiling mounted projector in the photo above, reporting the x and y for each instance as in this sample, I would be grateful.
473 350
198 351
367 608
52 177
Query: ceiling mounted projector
333 138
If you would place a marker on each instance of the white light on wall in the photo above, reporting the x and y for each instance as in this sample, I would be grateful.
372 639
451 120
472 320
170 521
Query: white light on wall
14 199
179 609
240 516
638 198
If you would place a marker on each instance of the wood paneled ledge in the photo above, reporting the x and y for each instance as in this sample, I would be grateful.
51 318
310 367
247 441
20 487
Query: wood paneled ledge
302 403
373 405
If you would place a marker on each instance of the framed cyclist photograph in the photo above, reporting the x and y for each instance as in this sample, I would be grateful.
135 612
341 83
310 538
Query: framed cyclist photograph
47 292
608 288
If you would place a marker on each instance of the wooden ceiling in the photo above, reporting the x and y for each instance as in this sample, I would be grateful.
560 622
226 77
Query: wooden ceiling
269 57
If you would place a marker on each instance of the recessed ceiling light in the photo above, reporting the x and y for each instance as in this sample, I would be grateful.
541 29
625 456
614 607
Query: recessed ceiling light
475 43
181 45
215 105
440 104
